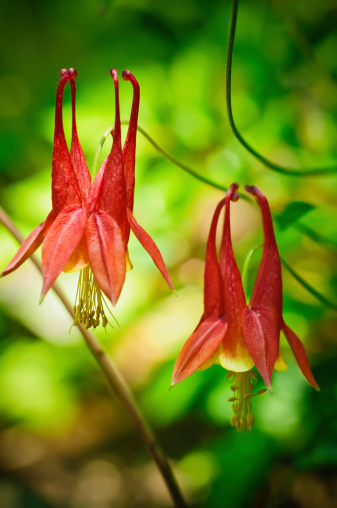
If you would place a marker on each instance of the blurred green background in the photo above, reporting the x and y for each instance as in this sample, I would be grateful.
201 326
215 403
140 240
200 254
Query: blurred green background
65 440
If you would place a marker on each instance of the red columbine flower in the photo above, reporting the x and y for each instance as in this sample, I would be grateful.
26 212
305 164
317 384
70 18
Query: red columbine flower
241 336
88 228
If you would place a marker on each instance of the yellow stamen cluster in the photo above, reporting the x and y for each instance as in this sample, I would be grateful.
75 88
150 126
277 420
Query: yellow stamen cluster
89 303
243 384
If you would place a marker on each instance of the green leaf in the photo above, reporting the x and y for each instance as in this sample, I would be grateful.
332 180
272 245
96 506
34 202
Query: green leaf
292 213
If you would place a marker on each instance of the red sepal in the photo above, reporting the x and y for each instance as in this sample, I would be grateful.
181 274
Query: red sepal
199 348
60 242
151 248
29 246
300 354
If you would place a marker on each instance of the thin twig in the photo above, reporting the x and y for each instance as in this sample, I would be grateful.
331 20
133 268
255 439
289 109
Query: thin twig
309 288
271 165
116 381
181 164
169 157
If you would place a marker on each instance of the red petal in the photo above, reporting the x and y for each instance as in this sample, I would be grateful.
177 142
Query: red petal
262 338
29 246
234 297
199 348
95 189
61 241
129 150
300 354
151 248
76 153
112 197
107 254
268 285
65 189
213 285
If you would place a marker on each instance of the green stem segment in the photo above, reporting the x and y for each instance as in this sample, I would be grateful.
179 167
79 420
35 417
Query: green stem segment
309 288
160 150
246 266
266 162
116 382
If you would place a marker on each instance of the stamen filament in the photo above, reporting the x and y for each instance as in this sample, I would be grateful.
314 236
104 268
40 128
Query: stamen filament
90 303
243 384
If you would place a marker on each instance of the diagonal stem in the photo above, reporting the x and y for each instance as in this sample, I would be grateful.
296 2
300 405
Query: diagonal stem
266 162
309 288
116 381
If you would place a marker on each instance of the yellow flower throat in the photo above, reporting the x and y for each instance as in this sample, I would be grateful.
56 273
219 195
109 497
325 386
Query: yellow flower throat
243 384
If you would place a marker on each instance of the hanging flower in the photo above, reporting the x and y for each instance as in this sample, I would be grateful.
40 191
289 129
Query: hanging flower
238 335
89 226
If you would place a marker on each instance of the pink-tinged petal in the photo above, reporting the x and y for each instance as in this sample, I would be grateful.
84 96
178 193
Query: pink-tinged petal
199 348
106 253
112 196
76 152
29 246
213 285
234 297
65 188
129 150
262 338
300 354
150 247
268 285
60 243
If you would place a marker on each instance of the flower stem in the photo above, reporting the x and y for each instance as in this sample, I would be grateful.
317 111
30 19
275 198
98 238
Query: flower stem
245 268
98 151
266 162
116 381
308 287
167 156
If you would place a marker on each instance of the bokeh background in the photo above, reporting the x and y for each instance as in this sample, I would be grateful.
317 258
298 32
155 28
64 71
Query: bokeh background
65 440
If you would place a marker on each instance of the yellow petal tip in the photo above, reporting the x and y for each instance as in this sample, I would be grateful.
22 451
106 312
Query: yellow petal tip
42 297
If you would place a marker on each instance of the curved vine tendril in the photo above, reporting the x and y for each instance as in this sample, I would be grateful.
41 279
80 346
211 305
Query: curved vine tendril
266 162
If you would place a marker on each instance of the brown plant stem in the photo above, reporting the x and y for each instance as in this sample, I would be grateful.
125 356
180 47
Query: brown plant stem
116 381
